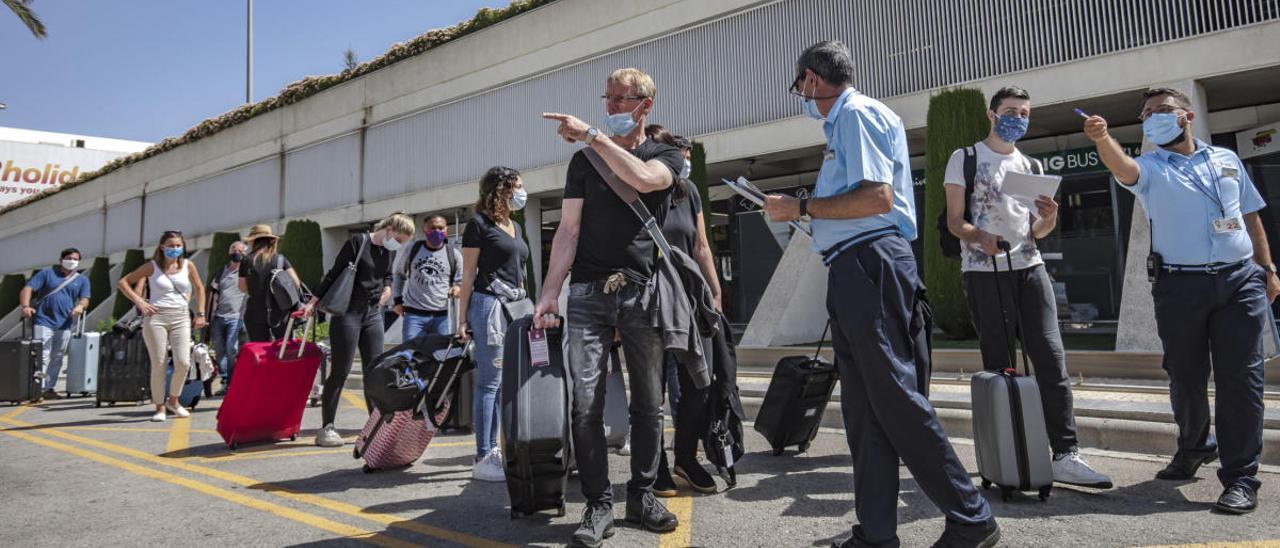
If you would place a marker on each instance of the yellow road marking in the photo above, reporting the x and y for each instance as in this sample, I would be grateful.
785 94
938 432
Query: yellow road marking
277 455
682 537
230 496
1245 544
244 481
20 410
355 401
127 429
179 438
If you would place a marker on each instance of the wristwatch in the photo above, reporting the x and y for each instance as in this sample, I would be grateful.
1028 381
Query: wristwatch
804 207
592 133
1271 267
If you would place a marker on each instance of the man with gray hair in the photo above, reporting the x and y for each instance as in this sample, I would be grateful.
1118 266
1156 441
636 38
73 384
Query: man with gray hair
227 303
863 220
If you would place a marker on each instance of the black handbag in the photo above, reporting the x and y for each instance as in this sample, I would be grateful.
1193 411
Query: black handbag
337 300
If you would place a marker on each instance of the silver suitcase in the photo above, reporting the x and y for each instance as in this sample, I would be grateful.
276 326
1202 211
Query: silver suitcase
617 417
83 354
1009 432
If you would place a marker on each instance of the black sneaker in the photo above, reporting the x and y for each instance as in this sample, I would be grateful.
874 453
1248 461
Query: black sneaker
650 514
858 541
597 525
664 486
697 477
969 536
1184 466
1237 499
50 395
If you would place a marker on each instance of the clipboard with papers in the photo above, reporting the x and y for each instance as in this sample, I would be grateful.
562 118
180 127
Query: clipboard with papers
750 192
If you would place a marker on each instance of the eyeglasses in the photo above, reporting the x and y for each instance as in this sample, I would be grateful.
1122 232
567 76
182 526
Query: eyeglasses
795 86
1162 109
620 98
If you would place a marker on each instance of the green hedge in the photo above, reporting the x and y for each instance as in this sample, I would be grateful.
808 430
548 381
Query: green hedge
218 253
133 259
10 287
300 243
957 118
99 281
698 158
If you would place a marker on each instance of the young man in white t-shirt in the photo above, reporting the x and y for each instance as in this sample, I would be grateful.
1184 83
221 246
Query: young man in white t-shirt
995 217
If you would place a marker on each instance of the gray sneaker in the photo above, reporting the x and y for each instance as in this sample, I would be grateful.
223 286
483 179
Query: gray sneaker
597 525
328 437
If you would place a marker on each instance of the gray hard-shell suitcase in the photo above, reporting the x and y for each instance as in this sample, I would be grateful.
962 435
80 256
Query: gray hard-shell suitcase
1009 431
84 351
535 422
21 367
617 418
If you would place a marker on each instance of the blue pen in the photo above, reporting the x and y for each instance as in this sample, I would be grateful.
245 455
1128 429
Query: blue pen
1081 113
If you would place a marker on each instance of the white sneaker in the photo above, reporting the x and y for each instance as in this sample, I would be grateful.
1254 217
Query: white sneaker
329 437
489 468
178 411
158 417
1069 468
625 450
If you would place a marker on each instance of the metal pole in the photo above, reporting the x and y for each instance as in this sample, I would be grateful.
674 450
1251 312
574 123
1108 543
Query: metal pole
248 62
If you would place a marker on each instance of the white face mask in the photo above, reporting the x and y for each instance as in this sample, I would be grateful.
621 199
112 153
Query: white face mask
70 264
390 242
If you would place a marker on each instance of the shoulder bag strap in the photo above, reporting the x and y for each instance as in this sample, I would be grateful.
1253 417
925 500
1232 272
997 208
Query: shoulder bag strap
631 197
970 174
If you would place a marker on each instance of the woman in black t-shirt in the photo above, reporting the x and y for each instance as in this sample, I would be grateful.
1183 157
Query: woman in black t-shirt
685 229
261 321
493 257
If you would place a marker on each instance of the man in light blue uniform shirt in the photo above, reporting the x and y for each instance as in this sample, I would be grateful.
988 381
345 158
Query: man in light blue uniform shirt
1213 282
863 214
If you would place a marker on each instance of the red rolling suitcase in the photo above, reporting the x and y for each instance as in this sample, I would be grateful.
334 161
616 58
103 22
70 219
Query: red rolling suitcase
266 401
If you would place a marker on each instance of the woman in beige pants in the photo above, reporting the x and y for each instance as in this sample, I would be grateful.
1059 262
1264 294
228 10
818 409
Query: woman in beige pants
171 280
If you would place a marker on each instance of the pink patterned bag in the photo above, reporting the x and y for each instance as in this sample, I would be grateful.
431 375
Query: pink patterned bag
396 440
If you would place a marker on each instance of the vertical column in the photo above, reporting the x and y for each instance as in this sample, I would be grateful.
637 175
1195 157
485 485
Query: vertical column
1137 329
533 233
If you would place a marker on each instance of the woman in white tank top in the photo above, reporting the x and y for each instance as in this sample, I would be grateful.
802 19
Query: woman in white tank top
171 282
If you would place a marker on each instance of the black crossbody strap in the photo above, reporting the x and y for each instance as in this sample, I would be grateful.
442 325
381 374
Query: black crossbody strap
632 199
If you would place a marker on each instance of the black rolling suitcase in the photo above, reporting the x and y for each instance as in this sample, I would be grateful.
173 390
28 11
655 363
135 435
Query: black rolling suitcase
798 394
21 367
124 373
535 422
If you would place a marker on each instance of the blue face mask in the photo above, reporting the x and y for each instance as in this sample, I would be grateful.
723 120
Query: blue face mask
621 123
811 107
687 170
518 199
1010 128
173 252
1162 128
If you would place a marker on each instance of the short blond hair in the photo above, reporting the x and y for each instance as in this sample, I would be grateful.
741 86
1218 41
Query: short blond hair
640 83
398 223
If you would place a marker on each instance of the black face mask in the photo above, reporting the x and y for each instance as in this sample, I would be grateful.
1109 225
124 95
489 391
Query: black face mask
236 257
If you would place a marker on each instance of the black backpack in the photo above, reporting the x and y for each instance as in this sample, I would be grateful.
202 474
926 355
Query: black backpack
283 294
949 243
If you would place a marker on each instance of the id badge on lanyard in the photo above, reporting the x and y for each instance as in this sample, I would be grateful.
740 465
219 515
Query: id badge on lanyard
1223 224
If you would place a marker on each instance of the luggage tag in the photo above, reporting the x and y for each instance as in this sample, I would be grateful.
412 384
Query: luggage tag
1226 225
539 351
728 456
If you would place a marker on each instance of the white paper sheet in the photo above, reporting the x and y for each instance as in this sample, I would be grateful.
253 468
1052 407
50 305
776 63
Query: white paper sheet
1025 188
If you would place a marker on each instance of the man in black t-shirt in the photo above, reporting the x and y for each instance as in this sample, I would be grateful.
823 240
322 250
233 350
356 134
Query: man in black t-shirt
612 258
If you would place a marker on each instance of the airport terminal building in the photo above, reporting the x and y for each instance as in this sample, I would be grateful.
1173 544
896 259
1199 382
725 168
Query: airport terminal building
415 136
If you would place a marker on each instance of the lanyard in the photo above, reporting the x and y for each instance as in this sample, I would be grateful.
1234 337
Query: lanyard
1194 177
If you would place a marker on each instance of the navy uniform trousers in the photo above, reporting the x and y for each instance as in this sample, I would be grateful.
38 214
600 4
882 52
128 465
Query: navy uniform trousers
1216 322
870 296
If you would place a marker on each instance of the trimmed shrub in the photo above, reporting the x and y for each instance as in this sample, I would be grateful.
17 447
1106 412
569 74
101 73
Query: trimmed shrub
300 243
218 253
99 281
133 259
957 118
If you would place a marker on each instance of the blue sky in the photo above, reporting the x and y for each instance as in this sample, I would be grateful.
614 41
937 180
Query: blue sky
150 69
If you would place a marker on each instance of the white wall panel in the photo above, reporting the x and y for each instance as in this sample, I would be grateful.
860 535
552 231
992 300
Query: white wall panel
236 198
123 222
322 176
39 248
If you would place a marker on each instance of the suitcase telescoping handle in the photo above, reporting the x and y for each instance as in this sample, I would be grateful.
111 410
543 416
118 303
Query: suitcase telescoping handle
1013 342
288 334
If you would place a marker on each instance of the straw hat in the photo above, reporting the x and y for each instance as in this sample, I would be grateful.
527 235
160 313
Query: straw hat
260 231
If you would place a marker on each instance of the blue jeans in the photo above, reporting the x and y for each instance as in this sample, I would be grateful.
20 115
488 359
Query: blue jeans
225 333
417 324
485 411
54 347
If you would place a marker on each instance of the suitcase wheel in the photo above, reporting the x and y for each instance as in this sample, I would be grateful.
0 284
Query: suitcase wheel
804 447
560 511
232 446
355 452
293 437
516 514
1044 492
97 404
986 483
367 469
777 451
1006 494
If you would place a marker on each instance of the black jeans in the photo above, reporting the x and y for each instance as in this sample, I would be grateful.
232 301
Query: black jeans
592 317
690 414
1216 322
1032 290
360 327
